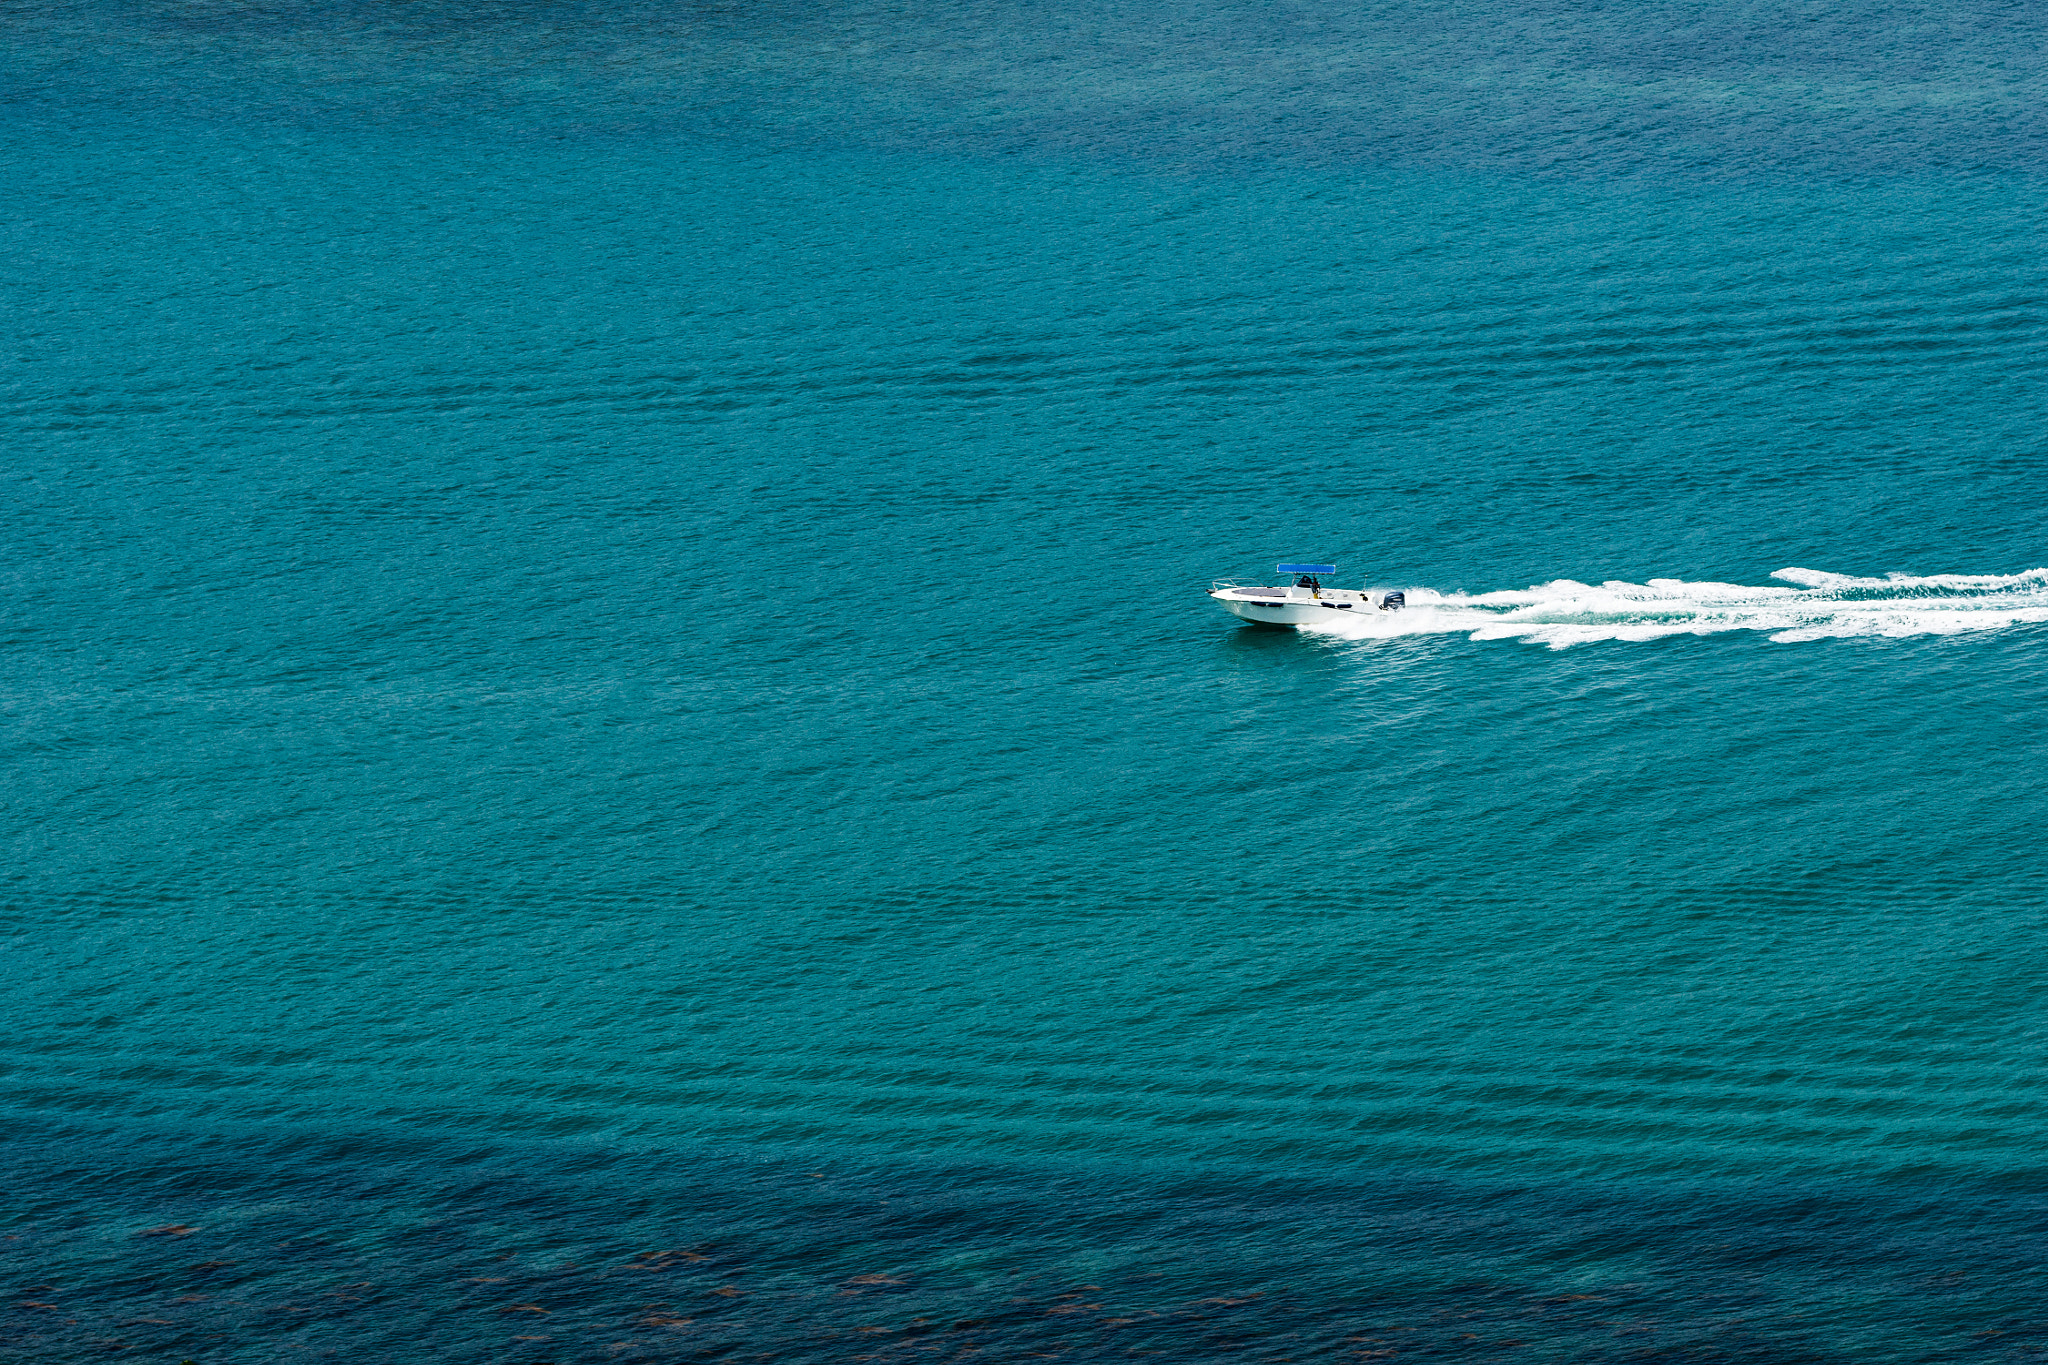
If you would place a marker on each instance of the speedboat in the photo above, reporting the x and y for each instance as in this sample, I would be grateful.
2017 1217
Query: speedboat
1304 602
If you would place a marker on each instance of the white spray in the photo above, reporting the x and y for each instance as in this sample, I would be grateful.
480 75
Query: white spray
1823 606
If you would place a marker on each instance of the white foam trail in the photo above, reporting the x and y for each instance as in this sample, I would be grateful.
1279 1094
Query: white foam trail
1823 606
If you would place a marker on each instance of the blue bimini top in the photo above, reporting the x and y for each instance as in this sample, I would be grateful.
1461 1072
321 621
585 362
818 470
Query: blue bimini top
1304 568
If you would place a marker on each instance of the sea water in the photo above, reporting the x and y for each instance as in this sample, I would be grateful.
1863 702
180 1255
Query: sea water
615 750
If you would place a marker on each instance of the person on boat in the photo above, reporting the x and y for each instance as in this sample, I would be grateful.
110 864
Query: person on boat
1308 581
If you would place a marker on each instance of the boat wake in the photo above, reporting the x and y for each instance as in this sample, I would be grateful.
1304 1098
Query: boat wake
1822 606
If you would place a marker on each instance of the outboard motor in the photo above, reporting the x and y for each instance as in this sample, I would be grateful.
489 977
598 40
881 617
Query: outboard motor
1394 601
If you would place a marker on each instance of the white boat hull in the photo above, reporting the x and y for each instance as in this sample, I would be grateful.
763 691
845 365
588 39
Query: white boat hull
1295 606
1284 613
1304 602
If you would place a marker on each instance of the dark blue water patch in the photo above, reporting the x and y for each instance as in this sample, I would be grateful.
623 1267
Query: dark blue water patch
222 1248
1722 90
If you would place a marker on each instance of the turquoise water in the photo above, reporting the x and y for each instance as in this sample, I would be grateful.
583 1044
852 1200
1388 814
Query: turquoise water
615 750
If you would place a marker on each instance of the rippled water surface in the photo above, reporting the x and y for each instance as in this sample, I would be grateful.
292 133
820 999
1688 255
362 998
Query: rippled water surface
615 750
